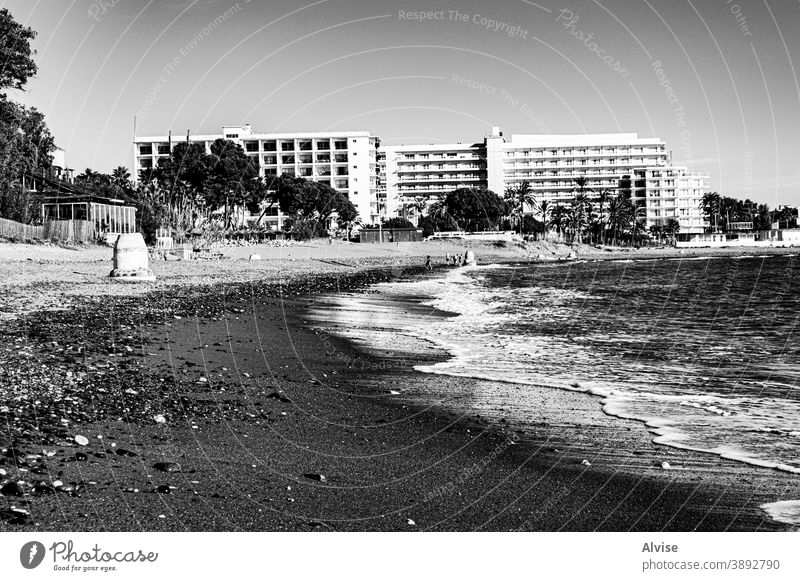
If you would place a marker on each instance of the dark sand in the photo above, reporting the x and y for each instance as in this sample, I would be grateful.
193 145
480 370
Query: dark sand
284 403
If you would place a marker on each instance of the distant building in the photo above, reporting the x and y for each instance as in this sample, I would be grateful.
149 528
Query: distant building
671 193
345 160
551 163
401 180
419 174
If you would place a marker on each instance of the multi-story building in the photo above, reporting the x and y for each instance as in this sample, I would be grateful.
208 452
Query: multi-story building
344 160
671 193
400 180
419 174
551 163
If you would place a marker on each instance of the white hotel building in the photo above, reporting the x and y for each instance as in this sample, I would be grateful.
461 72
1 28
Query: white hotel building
344 160
550 164
386 181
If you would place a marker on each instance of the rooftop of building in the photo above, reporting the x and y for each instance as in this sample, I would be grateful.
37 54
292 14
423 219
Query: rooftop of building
580 139
249 135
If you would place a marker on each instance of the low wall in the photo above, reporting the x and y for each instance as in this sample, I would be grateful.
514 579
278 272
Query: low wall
375 235
738 244
61 230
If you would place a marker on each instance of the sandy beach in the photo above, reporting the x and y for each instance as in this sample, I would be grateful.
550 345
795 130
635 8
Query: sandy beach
209 401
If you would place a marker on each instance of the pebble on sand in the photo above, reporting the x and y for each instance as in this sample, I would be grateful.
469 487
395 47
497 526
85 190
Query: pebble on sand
167 466
585 463
81 440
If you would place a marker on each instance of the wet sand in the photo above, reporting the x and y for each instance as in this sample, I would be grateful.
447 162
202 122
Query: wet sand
271 424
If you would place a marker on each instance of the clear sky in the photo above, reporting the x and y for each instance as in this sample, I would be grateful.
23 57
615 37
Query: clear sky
716 79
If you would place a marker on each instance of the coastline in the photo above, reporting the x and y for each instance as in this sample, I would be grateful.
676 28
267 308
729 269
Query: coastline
385 459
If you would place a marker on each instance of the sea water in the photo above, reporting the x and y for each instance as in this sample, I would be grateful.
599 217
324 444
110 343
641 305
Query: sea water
705 352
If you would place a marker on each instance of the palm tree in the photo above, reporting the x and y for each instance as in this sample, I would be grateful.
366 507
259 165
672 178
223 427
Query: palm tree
544 213
120 177
559 219
581 212
620 213
711 206
518 197
581 206
603 197
418 204
636 213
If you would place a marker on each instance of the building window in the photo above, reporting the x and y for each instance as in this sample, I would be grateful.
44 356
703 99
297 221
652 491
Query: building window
340 158
341 170
270 146
231 136
270 159
305 158
340 144
304 145
341 184
146 163
146 149
323 145
251 145
287 159
323 158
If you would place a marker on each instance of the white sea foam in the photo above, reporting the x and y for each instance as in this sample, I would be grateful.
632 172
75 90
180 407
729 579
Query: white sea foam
524 336
784 511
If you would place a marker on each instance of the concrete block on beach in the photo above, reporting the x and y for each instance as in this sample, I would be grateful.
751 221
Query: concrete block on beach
131 260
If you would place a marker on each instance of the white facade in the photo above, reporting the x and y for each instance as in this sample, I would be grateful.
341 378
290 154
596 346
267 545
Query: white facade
425 172
385 181
672 193
551 163
344 160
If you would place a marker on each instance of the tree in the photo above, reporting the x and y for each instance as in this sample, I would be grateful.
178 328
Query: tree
559 219
620 215
347 216
475 209
397 223
437 220
232 178
580 215
418 205
603 197
545 208
16 57
671 229
310 204
26 146
581 207
710 204
262 196
121 177
518 197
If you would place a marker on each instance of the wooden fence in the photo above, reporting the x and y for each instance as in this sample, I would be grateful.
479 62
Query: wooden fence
60 230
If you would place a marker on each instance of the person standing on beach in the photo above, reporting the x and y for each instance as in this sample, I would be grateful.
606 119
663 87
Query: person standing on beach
428 263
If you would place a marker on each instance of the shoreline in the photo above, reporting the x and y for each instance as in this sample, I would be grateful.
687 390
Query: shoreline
643 451
384 459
